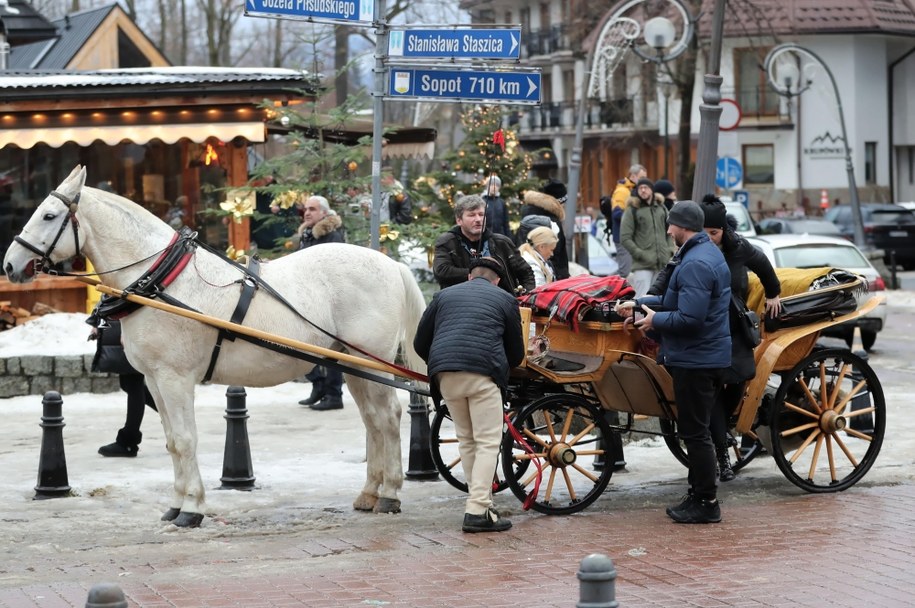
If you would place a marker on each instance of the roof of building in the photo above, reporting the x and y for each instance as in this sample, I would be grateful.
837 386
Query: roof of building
71 35
19 85
24 24
796 17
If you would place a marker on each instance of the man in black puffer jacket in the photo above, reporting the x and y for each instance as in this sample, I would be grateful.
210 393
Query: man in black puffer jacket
470 337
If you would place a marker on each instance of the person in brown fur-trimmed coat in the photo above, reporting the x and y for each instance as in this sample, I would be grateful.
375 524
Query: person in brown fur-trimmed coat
549 202
322 225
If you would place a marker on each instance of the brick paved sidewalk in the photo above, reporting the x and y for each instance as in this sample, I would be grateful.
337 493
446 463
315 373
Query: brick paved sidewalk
851 549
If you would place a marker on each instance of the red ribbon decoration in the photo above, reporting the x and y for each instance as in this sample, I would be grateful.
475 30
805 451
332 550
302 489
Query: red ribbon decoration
499 138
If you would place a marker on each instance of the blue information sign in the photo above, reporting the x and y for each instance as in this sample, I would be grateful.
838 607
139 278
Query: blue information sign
515 87
314 10
455 43
728 172
742 197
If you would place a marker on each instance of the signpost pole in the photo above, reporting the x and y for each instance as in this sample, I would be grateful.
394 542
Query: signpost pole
381 49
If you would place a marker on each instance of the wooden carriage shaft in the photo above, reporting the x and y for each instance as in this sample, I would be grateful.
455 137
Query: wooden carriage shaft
241 329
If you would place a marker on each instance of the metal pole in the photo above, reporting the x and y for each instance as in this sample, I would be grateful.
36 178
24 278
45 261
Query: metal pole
666 135
710 112
575 165
381 50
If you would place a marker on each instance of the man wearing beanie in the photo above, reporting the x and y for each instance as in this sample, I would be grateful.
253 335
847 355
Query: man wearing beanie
613 209
691 319
643 233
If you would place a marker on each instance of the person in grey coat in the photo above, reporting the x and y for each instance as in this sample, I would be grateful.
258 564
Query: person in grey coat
470 337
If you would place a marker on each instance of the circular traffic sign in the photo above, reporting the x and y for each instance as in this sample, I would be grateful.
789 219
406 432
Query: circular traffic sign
731 115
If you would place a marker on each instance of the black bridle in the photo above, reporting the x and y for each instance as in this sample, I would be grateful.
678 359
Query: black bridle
70 218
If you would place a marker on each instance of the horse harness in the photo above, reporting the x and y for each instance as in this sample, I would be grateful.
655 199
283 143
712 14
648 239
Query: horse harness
70 218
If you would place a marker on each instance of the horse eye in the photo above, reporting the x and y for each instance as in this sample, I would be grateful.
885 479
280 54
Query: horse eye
49 216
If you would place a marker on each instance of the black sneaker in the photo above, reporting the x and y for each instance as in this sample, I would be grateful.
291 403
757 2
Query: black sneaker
328 402
119 451
487 522
699 511
685 503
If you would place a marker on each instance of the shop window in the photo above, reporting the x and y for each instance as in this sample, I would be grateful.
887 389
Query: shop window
870 162
754 95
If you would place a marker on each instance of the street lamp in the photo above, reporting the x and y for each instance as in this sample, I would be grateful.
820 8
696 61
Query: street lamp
619 34
781 68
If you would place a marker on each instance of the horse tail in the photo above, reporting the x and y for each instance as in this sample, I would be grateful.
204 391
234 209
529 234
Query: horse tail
415 305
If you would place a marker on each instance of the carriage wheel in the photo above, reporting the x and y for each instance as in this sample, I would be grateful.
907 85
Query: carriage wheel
559 431
743 448
445 453
828 421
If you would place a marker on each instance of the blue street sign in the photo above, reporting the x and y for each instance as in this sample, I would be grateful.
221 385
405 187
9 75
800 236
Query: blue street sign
742 197
728 172
515 87
350 11
455 43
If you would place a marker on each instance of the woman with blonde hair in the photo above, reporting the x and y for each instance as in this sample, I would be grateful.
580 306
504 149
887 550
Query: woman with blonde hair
537 251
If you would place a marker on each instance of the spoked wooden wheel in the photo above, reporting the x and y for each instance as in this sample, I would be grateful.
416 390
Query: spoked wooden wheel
828 421
742 448
557 453
446 456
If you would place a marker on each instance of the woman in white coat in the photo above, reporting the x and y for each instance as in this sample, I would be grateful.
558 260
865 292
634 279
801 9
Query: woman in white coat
537 251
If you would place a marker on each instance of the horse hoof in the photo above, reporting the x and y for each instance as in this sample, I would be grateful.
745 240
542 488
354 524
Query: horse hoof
189 520
171 514
387 505
365 502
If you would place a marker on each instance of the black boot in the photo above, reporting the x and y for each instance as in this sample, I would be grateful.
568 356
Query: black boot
329 402
125 446
725 472
317 393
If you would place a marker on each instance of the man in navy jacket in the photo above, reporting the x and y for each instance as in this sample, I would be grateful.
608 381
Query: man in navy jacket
691 318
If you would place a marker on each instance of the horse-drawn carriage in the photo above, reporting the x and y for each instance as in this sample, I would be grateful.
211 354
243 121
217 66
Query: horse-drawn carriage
820 412
824 408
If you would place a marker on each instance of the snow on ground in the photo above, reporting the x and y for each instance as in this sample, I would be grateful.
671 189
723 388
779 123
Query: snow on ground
53 334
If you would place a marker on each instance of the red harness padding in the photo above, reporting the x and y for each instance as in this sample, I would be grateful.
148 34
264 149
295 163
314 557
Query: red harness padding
575 296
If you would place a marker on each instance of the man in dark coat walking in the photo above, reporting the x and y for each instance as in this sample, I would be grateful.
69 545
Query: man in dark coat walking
322 225
470 336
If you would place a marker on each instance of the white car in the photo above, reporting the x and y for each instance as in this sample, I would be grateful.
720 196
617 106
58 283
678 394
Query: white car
745 225
813 251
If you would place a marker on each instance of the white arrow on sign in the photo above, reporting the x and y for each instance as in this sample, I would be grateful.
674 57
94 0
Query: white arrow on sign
532 85
514 44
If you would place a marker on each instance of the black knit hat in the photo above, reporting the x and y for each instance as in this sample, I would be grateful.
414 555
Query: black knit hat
556 189
716 214
645 182
663 187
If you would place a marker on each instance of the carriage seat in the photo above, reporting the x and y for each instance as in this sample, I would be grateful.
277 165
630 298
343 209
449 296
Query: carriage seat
808 295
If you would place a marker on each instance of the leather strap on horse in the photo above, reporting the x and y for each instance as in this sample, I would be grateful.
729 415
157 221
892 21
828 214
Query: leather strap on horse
159 276
248 287
70 219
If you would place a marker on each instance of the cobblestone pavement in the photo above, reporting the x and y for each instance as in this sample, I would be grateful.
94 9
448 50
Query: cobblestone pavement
850 549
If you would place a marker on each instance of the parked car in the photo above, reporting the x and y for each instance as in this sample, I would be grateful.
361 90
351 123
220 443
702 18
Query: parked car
805 225
814 251
745 225
886 226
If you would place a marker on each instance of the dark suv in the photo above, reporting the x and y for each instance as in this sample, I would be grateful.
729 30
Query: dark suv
886 226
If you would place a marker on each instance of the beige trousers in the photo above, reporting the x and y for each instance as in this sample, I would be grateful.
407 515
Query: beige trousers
475 403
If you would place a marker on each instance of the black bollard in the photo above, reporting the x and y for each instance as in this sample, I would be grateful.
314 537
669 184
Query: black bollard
237 471
420 466
597 586
52 463
106 595
894 281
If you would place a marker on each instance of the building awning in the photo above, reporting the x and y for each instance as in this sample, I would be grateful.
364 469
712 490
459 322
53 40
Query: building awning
138 134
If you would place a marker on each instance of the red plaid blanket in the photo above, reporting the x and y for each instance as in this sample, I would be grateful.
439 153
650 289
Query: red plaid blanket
575 296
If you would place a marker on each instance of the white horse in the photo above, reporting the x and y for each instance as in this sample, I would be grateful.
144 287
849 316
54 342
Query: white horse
358 295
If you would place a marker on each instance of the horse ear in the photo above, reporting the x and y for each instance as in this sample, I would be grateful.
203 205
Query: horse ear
74 173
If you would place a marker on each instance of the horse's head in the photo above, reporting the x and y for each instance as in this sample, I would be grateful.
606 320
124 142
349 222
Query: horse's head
52 233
